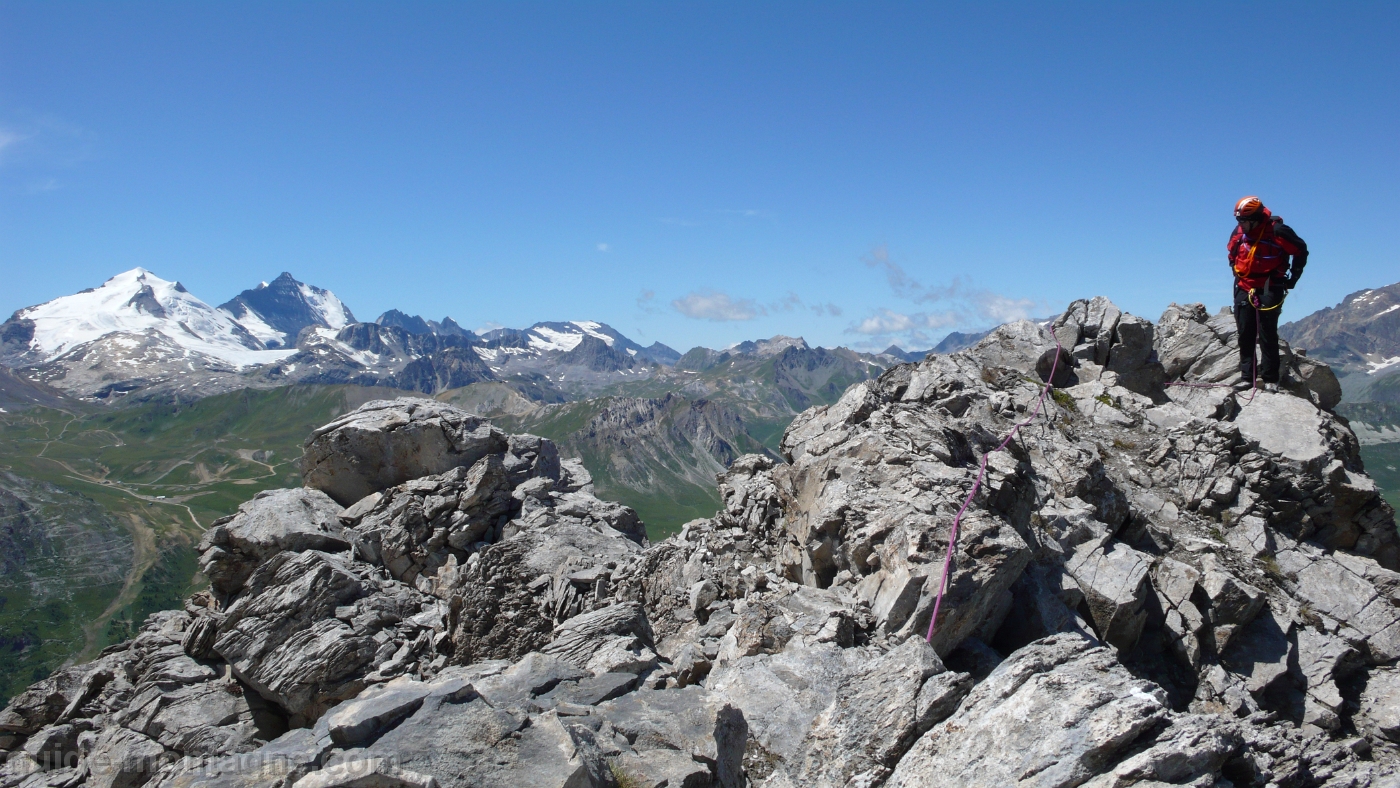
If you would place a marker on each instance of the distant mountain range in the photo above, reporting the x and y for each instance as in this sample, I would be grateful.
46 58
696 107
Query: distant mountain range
141 337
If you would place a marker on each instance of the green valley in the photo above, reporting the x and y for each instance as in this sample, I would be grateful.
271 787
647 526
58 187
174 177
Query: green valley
102 508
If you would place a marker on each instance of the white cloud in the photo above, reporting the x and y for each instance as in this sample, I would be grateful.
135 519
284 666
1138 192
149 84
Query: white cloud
962 306
603 247
787 303
1001 309
886 322
717 306
827 309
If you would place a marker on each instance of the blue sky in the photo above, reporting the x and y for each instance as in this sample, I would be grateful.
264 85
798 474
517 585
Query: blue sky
697 173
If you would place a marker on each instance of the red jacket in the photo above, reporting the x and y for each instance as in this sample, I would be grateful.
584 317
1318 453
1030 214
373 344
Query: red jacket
1262 254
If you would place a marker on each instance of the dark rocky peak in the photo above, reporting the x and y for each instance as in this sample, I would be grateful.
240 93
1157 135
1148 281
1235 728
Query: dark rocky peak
661 354
277 312
957 340
599 356
450 326
413 324
398 341
768 347
699 359
506 337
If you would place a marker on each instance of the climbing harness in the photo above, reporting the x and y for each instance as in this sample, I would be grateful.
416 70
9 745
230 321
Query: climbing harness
982 471
1254 299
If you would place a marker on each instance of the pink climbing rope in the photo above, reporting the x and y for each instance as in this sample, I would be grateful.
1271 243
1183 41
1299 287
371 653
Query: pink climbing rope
976 485
982 471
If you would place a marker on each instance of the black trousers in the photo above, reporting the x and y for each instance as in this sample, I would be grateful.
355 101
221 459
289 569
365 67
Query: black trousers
1260 325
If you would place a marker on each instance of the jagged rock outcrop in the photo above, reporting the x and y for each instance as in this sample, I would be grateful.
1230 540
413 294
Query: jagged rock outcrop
1152 585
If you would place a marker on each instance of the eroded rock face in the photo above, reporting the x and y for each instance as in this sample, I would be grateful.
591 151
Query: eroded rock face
388 442
1152 585
1061 709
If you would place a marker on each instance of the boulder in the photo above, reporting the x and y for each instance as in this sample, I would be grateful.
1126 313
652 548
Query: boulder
1132 345
1114 580
368 773
388 442
878 712
1284 425
1060 709
534 675
122 758
1319 379
1380 704
579 640
470 744
275 520
283 637
1350 589
686 720
1194 747
780 695
1193 345
660 769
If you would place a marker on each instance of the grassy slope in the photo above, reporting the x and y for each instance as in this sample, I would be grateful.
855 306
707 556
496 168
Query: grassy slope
205 458
162 472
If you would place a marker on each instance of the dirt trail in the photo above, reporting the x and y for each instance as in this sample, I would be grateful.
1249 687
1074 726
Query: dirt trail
143 556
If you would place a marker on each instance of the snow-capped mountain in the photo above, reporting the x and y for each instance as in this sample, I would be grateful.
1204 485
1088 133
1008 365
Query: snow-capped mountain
277 312
1360 338
566 337
141 335
132 308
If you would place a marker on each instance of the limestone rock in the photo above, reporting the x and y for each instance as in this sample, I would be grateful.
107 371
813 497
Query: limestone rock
1285 425
1060 709
1380 704
275 520
478 616
878 713
1114 579
388 442
686 720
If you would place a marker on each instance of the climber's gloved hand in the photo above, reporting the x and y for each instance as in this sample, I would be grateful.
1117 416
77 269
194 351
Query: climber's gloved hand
1290 283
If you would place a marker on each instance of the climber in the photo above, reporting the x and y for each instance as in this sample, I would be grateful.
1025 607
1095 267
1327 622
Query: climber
1259 249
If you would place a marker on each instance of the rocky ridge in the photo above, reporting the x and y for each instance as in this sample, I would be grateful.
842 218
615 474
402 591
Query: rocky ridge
1153 586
